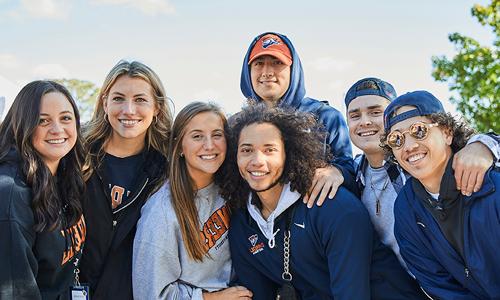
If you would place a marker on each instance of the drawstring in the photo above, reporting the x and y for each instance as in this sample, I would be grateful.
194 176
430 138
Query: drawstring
271 242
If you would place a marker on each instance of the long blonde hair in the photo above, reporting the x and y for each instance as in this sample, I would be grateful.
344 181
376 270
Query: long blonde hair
98 130
181 185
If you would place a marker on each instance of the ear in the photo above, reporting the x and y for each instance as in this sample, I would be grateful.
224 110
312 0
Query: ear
448 135
105 103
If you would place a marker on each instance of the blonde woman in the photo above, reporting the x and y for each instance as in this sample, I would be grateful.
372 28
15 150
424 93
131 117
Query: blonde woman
126 162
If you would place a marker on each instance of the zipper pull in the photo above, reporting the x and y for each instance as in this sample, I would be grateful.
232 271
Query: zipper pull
114 223
466 272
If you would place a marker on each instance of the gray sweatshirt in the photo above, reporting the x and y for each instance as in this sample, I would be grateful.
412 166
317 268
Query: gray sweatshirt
161 268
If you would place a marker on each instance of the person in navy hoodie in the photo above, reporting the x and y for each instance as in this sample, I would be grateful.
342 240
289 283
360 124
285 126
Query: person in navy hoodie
272 73
330 248
448 240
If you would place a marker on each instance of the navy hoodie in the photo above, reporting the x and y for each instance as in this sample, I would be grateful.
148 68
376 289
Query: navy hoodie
332 119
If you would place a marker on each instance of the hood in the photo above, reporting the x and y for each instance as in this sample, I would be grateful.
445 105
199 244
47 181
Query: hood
296 91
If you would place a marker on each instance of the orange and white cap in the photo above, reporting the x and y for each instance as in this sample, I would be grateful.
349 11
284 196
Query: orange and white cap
271 44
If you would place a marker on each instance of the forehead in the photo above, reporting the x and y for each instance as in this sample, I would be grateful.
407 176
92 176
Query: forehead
135 85
365 101
207 120
55 102
403 125
260 134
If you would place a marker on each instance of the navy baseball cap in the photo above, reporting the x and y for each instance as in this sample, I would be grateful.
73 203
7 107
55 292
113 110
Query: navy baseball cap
425 104
370 86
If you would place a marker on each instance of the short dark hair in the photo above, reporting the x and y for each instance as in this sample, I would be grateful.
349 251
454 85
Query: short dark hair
302 137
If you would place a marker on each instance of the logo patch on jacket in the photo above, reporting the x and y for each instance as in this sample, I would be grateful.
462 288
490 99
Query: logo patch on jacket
256 248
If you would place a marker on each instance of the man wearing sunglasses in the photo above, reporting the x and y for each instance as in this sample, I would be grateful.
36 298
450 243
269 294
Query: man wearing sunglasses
448 240
379 181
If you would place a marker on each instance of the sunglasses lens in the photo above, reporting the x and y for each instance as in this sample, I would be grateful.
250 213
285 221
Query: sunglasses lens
419 131
395 139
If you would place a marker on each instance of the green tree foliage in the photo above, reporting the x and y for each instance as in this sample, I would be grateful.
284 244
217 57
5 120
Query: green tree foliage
473 73
85 94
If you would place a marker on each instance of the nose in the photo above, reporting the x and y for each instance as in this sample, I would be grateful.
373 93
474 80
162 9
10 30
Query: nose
56 127
365 119
258 158
129 107
208 144
410 143
267 70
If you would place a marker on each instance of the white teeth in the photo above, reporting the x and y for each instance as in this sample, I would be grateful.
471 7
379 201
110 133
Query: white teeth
368 133
416 157
129 122
208 157
58 141
258 174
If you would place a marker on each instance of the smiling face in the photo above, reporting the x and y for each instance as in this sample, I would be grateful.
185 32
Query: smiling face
130 107
204 147
270 78
424 159
365 118
56 133
261 158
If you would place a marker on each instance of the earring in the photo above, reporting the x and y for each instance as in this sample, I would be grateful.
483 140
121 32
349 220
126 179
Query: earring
106 118
156 119
181 155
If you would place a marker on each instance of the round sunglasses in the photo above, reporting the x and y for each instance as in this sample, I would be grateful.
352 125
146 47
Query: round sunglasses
417 130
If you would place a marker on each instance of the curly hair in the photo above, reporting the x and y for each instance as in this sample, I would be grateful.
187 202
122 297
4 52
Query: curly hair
302 138
460 129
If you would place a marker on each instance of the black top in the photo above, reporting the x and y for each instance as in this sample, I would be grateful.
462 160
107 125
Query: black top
448 210
107 258
119 177
33 265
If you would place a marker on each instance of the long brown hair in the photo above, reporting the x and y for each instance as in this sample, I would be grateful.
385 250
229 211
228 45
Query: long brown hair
181 185
99 130
56 198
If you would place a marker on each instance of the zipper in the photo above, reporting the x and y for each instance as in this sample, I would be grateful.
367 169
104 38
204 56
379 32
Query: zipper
131 201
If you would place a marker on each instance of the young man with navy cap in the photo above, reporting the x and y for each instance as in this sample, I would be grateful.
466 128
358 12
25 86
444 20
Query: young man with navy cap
380 181
449 241
272 73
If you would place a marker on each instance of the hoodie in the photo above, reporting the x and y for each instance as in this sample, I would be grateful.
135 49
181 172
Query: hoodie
33 265
333 121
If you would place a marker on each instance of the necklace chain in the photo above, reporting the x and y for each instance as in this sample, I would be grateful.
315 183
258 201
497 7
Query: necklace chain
378 206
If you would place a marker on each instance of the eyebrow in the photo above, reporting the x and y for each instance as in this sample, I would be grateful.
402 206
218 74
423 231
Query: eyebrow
369 108
136 95
63 112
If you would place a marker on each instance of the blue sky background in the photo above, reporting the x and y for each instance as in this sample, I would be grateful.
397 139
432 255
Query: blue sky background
197 47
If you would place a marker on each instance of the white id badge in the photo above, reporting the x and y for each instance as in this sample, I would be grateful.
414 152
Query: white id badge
79 292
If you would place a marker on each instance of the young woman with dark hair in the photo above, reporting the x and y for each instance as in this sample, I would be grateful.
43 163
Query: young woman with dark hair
42 228
126 162
181 249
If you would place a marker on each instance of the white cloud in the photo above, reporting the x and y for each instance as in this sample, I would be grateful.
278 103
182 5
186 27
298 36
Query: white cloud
8 61
43 9
149 7
323 64
50 71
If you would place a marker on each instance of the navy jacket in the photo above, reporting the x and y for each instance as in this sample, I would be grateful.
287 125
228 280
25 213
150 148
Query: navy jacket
332 248
438 267
332 119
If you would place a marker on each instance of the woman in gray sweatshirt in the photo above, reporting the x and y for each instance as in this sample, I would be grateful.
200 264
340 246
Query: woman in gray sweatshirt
181 249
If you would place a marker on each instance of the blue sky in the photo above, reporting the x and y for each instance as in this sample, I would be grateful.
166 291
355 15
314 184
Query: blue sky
197 47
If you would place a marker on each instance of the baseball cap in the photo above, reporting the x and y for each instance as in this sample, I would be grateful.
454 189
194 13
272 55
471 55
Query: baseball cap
424 102
370 86
271 44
